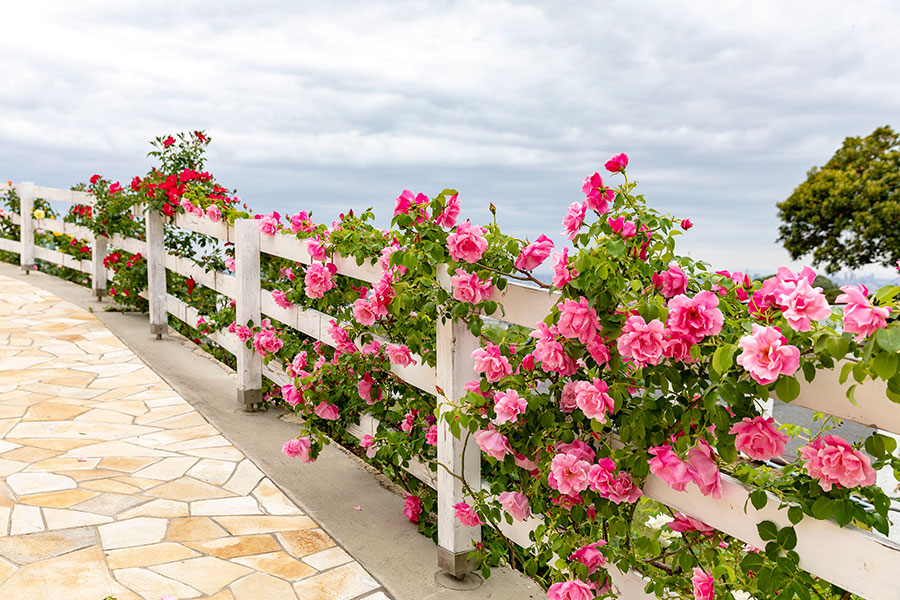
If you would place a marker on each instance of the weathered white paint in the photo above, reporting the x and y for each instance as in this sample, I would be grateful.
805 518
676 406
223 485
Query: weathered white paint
524 305
60 226
67 196
223 283
98 269
61 259
128 244
156 272
216 229
247 308
26 227
10 245
291 248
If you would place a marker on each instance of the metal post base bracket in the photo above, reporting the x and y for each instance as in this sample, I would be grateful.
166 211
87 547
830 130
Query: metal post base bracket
159 329
248 399
457 565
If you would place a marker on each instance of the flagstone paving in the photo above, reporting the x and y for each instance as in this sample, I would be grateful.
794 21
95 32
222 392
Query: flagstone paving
112 484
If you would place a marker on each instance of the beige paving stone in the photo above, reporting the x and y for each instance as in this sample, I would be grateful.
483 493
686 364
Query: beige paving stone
63 499
265 524
207 573
241 505
134 408
5 512
223 595
157 508
54 444
7 467
25 519
245 478
20 362
172 436
64 464
193 529
7 411
188 489
51 411
229 453
143 556
163 413
30 454
279 564
167 469
342 583
62 390
110 485
114 369
230 547
120 449
191 419
273 500
81 575
110 504
377 596
302 543
7 446
89 474
138 531
6 570
61 518
77 430
119 381
144 484
211 471
39 546
6 425
326 559
99 415
210 441
172 401
35 483
260 585
152 586
6 496
128 465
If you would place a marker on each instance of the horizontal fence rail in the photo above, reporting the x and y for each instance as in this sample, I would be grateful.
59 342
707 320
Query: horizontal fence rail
867 563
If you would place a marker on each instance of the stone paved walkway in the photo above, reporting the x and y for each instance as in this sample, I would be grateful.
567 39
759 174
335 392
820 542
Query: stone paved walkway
112 484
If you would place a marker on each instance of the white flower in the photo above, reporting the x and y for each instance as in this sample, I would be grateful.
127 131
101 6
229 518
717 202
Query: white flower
741 595
659 520
666 537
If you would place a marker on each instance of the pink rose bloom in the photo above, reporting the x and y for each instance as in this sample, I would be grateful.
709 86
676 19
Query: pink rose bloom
431 436
597 196
704 470
627 229
695 317
318 280
593 400
213 213
704 588
523 462
492 363
758 438
468 287
601 475
666 465
474 386
316 249
801 304
372 347
368 442
686 224
621 489
685 524
509 406
598 351
327 411
364 389
467 515
860 315
550 353
590 556
577 320
833 461
187 205
399 354
534 253
468 243
298 364
568 474
229 264
243 332
516 505
268 225
677 346
670 282
287 272
448 216
574 219
406 203
301 222
578 448
265 342
493 443
642 341
766 355
363 312
567 402
412 508
408 422
298 448
280 299
617 163
571 590
290 394
342 342
562 273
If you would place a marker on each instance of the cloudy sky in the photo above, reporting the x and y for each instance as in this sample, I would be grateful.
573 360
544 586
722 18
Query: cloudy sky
721 106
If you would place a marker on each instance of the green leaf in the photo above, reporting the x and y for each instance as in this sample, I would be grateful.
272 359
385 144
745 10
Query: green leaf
758 498
722 358
752 562
787 388
889 339
875 445
787 538
885 365
843 512
795 514
823 507
845 371
767 530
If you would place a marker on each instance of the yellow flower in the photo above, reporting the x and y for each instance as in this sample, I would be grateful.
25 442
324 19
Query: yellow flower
38 214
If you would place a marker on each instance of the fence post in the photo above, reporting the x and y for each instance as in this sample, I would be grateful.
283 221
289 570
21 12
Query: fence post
98 269
156 273
247 308
455 366
26 229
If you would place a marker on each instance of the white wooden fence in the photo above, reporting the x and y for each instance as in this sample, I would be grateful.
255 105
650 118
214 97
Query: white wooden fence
859 561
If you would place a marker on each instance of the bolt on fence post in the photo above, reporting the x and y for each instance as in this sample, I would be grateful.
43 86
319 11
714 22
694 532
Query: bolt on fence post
247 308
98 269
455 366
156 273
25 190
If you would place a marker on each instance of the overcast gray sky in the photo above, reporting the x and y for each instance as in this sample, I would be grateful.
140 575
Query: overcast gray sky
721 106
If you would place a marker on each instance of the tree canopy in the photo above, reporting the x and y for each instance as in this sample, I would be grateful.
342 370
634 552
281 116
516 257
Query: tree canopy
847 213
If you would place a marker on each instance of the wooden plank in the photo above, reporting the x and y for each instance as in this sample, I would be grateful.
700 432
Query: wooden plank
189 315
291 248
63 260
59 226
221 282
219 230
10 245
247 308
26 227
156 272
98 270
68 196
524 305
128 244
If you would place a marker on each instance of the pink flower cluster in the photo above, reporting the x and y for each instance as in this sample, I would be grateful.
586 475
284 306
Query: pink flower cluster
767 355
491 362
467 244
468 287
534 254
318 279
508 406
516 504
265 342
700 467
833 461
298 448
550 352
758 438
860 315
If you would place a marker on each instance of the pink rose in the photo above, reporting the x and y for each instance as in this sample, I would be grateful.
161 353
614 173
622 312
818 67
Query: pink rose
493 443
431 436
516 505
268 225
570 590
686 523
467 515
562 273
677 346
364 389
298 364
577 320
468 287
243 332
492 363
550 352
626 229
509 406
316 249
704 588
621 489
290 394
406 425
523 462
695 317
597 196
298 448
642 341
213 213
617 163
670 282
468 243
534 253
833 461
368 442
860 315
301 222
801 304
363 312
412 508
590 556
578 448
568 474
448 216
758 438
686 224
704 470
327 411
601 475
574 219
399 355
280 299
666 465
342 342
318 280
567 401
229 264
593 400
265 342
766 355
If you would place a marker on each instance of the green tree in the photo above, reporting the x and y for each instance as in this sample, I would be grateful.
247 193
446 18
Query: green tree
847 213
